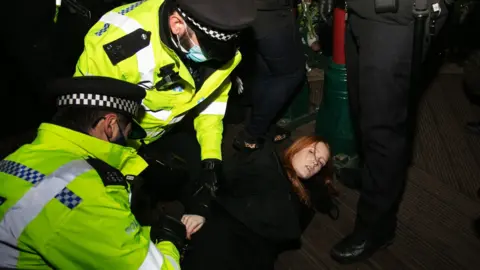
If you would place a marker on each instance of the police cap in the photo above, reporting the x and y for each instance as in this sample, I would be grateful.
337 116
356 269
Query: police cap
226 15
102 93
217 23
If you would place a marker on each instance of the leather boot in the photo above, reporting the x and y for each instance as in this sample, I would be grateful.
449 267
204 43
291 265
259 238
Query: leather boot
356 247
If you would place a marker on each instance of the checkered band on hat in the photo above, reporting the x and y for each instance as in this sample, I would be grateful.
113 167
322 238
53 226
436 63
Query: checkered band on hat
96 100
210 32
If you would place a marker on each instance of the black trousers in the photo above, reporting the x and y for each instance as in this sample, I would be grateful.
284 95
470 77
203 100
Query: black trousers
378 67
224 243
274 66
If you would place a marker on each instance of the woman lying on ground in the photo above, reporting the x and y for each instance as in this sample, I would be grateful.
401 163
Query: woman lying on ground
258 209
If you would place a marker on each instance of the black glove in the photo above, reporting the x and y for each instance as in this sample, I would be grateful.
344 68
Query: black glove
169 229
210 178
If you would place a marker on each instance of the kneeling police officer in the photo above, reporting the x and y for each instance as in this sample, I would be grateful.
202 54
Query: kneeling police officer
64 201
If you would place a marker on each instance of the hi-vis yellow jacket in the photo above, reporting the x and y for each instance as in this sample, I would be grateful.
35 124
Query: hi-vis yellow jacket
163 108
58 210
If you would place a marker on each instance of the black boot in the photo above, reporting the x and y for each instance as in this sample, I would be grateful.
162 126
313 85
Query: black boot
356 247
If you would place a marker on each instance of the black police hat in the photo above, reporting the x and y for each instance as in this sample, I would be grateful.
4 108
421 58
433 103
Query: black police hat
217 23
102 93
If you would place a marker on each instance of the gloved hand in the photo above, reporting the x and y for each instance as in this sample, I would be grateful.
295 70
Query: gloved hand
169 229
210 177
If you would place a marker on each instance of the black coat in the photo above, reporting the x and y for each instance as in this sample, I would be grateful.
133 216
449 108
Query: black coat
255 216
404 15
258 193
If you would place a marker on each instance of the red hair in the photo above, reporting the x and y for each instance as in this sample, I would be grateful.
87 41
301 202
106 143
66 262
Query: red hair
326 172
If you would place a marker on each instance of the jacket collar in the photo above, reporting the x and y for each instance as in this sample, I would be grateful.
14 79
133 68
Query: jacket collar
122 158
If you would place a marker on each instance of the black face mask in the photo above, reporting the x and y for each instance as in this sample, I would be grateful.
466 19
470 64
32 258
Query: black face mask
120 140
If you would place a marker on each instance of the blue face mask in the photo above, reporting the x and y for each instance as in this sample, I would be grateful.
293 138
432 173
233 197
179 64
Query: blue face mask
195 53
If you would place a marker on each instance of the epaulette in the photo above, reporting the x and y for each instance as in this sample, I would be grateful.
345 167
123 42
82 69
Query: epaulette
127 46
110 175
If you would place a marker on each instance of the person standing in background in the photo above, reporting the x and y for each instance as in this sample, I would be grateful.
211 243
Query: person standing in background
378 58
274 58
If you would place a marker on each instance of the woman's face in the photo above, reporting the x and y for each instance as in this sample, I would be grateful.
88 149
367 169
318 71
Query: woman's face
310 160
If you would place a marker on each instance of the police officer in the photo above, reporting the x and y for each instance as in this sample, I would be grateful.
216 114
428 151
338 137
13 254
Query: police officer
379 46
182 52
64 201
274 66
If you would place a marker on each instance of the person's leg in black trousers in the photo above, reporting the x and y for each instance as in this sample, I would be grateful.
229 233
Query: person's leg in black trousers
381 107
278 70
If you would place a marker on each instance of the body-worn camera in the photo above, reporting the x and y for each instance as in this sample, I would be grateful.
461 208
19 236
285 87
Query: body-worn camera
170 78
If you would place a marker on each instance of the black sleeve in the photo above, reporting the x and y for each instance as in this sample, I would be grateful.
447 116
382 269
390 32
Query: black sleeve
250 174
199 205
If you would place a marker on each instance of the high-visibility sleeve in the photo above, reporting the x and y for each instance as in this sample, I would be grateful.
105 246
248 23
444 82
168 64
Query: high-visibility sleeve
209 123
104 234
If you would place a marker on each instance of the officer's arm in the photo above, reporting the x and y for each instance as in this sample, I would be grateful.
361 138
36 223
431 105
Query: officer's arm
209 125
105 235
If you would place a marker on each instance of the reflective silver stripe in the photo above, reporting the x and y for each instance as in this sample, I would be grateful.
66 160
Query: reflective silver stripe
177 119
153 260
30 205
172 262
162 115
153 134
145 57
215 108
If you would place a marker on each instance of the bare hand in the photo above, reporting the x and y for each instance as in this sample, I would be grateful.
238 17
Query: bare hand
193 223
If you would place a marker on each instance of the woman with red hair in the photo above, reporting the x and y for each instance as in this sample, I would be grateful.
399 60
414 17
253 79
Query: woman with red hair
258 209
